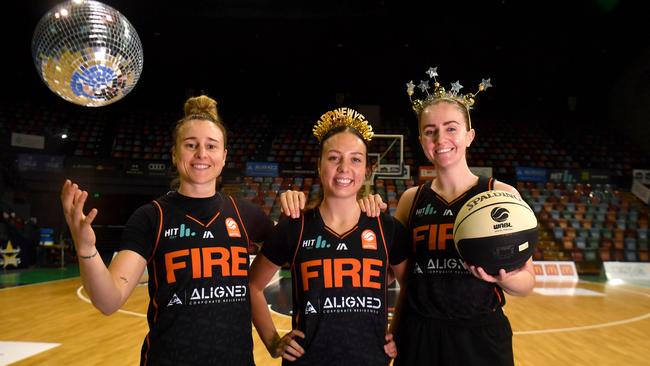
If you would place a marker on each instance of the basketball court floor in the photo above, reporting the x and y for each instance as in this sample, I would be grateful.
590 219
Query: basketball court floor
53 323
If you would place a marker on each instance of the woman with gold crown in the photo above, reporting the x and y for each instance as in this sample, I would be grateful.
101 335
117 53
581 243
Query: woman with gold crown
339 259
447 314
193 241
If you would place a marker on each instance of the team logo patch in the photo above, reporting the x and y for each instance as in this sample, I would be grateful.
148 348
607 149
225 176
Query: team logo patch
417 269
174 301
309 309
232 228
369 239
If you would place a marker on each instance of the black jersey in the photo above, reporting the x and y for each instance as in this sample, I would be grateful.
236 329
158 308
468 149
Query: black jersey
439 286
339 285
199 309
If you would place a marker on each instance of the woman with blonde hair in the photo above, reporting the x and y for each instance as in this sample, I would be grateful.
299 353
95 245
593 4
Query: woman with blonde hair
340 261
193 241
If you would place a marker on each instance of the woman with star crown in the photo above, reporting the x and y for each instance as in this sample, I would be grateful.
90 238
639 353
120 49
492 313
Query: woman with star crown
451 315
339 259
193 241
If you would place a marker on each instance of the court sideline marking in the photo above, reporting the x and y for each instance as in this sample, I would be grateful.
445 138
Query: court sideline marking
521 332
594 326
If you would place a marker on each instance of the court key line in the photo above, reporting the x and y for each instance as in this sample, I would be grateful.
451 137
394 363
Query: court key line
85 299
521 332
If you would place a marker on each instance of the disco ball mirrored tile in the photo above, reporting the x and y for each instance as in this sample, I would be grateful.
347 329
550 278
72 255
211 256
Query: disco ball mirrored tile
87 52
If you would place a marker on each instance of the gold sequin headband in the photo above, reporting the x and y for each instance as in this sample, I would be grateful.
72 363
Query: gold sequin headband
347 117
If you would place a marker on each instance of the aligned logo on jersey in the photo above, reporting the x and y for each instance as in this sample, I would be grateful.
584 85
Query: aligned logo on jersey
442 265
174 301
200 262
345 304
369 239
352 304
232 228
218 294
309 308
207 234
179 232
317 243
434 237
424 211
438 264
342 246
447 212
342 272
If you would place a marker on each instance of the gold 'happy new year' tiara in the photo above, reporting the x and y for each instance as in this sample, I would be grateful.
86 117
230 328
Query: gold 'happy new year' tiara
439 93
347 117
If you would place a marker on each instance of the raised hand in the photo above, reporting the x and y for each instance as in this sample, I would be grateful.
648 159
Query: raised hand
73 200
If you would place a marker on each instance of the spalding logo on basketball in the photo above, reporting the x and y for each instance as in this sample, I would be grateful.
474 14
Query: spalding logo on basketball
494 230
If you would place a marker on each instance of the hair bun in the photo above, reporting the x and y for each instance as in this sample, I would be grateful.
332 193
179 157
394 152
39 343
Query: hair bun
201 105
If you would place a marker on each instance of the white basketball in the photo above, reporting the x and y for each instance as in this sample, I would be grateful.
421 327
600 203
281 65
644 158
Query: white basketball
495 229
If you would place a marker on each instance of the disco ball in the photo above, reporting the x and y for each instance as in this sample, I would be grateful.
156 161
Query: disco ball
87 53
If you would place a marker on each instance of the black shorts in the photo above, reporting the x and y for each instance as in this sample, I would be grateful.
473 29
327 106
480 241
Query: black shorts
428 341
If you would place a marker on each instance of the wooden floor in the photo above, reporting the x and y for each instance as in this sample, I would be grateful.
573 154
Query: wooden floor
610 328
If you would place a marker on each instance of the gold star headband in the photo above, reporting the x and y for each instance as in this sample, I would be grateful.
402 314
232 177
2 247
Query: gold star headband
439 93
347 117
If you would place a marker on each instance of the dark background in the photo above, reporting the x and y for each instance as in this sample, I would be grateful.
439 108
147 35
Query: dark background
582 65
587 58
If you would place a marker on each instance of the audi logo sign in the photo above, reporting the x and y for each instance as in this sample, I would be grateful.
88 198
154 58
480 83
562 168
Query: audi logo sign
157 167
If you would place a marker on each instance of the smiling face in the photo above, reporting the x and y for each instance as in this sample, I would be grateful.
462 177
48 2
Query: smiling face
199 155
342 165
443 134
